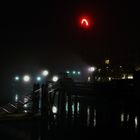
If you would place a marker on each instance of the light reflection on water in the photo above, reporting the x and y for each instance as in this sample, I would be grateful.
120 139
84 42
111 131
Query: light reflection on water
136 121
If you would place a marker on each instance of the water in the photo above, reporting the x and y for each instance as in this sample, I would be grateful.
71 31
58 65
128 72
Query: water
94 118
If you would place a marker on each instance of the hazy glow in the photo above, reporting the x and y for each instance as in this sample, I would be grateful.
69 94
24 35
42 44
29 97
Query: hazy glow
38 78
25 111
55 78
45 73
26 78
74 72
84 22
79 72
122 117
89 79
91 69
25 106
130 76
136 122
54 109
67 71
17 78
109 78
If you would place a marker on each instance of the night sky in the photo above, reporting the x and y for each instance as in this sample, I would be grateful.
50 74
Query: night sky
36 36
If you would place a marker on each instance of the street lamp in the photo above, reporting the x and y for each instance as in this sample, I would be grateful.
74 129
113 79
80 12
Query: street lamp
38 78
79 72
55 78
45 73
91 69
74 72
26 78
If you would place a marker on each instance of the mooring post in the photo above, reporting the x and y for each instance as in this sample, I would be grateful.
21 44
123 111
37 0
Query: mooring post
35 100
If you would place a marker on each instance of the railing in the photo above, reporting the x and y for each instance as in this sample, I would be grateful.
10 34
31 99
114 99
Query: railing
106 105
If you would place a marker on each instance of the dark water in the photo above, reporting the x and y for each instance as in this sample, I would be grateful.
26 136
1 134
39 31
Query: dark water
108 118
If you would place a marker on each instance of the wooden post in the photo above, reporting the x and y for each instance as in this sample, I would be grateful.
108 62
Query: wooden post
44 102
34 99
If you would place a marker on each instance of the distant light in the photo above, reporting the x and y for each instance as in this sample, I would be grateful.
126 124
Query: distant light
85 22
26 78
122 117
136 122
55 78
45 73
109 78
67 72
107 61
130 76
54 109
89 79
74 72
91 69
25 105
25 111
79 72
38 78
120 66
17 78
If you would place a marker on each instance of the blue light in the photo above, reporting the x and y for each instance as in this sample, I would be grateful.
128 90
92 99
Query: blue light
17 78
38 78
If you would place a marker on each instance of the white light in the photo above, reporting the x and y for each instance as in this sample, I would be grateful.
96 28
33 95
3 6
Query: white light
79 72
91 69
74 72
54 109
89 79
38 78
16 98
127 117
136 122
130 76
55 78
109 78
67 72
122 117
26 78
45 73
25 106
25 111
17 78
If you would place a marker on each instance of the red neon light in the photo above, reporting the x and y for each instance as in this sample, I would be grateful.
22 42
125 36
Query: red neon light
84 22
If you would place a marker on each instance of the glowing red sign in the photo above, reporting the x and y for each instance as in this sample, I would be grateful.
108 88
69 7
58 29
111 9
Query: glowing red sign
85 22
